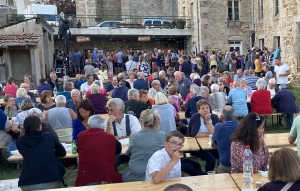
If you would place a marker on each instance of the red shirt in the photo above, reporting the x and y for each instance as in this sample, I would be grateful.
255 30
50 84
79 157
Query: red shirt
261 102
229 81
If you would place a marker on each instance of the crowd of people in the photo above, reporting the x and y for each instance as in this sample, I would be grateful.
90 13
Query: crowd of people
143 93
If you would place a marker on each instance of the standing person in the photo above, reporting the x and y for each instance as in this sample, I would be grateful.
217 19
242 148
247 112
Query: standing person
97 165
282 71
213 60
268 74
272 60
130 65
144 66
53 81
280 175
139 152
119 57
258 66
185 66
40 150
167 60
159 60
227 61
125 59
219 60
77 59
96 57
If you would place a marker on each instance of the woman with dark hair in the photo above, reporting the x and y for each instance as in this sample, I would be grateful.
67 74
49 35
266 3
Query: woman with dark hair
85 109
144 98
46 101
40 150
250 132
10 87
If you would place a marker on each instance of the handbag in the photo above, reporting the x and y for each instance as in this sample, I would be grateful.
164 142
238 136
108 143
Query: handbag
287 186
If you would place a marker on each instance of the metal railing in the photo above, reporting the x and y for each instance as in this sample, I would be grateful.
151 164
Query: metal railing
123 21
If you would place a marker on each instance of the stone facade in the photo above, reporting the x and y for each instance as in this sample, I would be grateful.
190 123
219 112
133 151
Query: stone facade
284 25
215 30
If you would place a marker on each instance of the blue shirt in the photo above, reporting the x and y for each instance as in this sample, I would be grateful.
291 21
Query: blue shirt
135 58
120 92
183 87
119 57
76 56
77 128
95 56
221 137
276 53
236 78
71 105
140 84
66 94
238 98
251 81
42 87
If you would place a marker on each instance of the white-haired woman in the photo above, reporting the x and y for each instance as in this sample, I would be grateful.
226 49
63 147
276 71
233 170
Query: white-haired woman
196 79
138 151
248 89
219 97
164 109
98 100
21 95
261 99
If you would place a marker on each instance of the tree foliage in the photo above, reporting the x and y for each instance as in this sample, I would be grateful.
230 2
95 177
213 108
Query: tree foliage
68 7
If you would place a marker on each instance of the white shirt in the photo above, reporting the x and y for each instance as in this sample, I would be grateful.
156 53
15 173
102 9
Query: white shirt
121 127
85 87
130 65
281 70
272 91
159 160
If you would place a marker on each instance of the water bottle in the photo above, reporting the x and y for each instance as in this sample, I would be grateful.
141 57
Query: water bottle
247 165
54 91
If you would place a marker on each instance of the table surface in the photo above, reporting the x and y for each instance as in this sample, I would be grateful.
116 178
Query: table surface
190 144
221 182
238 179
104 116
277 140
203 142
182 114
1 101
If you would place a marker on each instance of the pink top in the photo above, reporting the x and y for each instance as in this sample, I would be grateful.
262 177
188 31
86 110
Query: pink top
11 89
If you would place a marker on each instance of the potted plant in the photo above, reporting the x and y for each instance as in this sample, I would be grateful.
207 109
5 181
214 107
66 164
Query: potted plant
98 19
180 23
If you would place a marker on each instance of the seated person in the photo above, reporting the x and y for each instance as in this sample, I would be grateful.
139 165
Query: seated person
218 97
61 118
21 95
138 151
5 126
250 132
177 101
95 166
178 187
295 133
85 109
40 150
121 91
221 138
282 175
261 99
238 99
156 87
98 99
46 101
202 125
119 124
76 98
190 107
165 163
144 98
134 106
68 87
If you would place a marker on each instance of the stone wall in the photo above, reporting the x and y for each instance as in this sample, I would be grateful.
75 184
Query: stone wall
283 25
215 31
3 15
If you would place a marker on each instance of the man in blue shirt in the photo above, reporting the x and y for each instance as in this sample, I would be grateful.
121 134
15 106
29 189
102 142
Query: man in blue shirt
221 138
76 98
140 83
191 105
121 91
251 80
183 86
68 86
239 75
120 61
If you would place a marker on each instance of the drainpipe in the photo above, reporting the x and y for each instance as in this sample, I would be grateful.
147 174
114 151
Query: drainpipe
198 35
252 26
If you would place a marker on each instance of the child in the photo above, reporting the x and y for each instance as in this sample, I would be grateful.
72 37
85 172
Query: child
103 72
165 163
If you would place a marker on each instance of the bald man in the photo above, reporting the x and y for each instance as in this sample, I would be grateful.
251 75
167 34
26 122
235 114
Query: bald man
238 99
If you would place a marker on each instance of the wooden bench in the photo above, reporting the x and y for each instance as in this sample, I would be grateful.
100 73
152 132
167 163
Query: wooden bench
277 140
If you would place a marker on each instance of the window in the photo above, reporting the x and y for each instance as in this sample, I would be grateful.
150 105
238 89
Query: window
49 37
234 10
261 44
276 42
261 9
192 11
237 45
276 7
183 14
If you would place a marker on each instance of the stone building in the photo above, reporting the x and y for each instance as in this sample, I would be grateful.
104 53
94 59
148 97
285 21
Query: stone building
277 24
26 47
218 24
118 9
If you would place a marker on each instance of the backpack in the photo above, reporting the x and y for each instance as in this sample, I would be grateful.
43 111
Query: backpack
127 121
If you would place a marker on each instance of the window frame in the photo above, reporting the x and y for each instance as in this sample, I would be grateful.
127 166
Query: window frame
261 43
276 7
274 42
233 15
261 9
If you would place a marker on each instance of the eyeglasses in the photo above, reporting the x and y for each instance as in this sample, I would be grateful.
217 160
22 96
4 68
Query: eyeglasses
176 145
220 84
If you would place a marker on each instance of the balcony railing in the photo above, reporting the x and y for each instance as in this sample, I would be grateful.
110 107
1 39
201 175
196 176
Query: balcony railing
110 21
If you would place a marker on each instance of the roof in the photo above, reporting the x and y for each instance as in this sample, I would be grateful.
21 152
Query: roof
23 39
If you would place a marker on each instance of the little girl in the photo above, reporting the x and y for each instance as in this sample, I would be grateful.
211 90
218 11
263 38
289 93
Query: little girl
103 72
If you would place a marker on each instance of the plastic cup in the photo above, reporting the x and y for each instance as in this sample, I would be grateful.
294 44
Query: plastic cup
211 176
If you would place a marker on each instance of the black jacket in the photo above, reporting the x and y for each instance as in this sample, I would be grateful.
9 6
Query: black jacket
40 151
52 84
134 107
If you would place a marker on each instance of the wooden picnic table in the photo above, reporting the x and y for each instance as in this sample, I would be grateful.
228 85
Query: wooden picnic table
221 182
277 140
1 101
238 179
204 143
190 144
182 114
